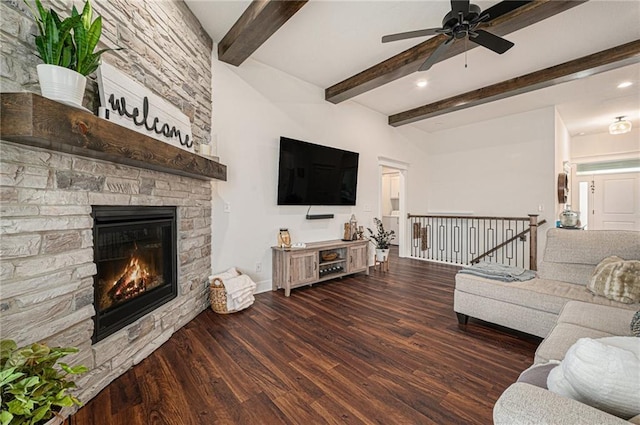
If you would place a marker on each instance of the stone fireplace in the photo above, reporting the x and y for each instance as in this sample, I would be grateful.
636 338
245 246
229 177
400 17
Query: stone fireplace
52 253
135 252
47 264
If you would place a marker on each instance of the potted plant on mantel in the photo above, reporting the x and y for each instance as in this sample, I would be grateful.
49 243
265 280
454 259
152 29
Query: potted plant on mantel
67 48
382 239
34 384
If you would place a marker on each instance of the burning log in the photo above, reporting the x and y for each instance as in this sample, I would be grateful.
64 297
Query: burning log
131 283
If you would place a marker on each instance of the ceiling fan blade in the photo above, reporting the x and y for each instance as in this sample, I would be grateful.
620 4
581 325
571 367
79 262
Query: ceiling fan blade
502 8
491 41
410 34
431 60
459 6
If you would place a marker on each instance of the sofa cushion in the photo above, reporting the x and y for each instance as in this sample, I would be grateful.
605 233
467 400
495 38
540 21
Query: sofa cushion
599 317
578 320
537 294
571 255
590 246
603 373
578 274
561 338
617 279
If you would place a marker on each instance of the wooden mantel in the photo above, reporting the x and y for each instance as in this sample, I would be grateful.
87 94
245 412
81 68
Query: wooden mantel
33 120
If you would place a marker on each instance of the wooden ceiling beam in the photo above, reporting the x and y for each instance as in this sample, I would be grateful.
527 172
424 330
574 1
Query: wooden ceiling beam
256 24
576 69
409 61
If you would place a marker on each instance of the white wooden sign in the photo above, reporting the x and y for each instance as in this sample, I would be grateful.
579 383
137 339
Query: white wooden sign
134 106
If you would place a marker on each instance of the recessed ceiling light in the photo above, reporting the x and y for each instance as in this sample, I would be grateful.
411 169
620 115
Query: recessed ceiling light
625 84
421 83
582 133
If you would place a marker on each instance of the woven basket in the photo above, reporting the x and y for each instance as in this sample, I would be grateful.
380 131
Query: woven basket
329 256
218 296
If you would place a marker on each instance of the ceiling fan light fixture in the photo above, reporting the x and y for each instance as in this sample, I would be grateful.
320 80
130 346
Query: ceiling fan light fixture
620 126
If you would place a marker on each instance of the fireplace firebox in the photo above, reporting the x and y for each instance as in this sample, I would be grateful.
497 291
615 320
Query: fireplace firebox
135 251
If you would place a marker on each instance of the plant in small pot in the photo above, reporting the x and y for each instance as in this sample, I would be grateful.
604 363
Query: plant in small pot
34 384
67 48
382 239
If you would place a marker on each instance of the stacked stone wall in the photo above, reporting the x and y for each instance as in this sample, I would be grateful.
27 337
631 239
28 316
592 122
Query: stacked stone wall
46 254
46 240
164 48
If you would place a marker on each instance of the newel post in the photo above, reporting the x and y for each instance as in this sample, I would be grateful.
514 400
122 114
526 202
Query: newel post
533 242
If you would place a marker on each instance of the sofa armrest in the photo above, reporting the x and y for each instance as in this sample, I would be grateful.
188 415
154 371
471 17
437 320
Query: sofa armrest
522 404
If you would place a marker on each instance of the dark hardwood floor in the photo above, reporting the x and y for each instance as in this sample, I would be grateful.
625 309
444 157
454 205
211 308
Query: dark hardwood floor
382 349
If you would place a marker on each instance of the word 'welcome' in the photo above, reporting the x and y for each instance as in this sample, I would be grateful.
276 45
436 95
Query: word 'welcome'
120 106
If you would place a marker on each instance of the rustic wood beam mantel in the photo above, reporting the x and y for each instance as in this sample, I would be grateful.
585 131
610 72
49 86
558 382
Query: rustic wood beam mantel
409 61
256 24
576 69
33 120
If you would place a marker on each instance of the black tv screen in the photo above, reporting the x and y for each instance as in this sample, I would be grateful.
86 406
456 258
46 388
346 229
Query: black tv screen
311 174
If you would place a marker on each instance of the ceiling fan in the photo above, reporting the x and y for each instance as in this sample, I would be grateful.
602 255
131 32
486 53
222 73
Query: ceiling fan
461 22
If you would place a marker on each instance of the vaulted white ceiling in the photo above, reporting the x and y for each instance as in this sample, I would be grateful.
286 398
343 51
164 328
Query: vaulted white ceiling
328 41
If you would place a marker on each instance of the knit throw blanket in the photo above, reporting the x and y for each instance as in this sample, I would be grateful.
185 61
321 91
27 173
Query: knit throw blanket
499 272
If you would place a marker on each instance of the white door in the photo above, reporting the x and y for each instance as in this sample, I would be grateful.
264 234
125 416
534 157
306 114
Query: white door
611 201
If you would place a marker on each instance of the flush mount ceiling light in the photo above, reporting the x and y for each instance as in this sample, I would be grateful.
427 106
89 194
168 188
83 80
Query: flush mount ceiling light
620 126
625 84
421 83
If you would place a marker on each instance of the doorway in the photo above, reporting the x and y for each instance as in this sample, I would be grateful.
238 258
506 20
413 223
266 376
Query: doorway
608 201
392 200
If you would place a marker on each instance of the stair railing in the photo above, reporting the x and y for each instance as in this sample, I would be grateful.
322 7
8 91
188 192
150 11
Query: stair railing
468 239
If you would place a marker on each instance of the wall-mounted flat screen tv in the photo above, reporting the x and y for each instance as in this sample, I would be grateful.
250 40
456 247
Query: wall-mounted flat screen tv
311 174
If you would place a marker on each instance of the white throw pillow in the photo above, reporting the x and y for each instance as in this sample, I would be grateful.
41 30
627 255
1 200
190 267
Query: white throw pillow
603 373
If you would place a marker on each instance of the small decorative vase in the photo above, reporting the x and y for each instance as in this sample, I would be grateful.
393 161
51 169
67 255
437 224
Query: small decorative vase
61 84
284 238
382 254
569 218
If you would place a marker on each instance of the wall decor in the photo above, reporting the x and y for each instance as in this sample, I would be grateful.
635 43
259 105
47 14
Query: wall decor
134 106
563 188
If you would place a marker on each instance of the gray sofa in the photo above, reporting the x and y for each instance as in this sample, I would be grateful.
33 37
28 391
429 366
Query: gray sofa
523 403
569 259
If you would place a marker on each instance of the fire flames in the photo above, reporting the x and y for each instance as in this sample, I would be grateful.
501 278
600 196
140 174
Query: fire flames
133 281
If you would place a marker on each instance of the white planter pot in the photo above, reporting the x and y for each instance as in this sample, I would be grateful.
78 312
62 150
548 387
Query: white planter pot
382 254
61 84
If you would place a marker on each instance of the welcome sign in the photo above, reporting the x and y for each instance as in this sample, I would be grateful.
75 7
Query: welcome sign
134 106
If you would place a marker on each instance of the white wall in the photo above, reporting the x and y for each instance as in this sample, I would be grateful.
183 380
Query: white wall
253 105
562 154
604 146
500 167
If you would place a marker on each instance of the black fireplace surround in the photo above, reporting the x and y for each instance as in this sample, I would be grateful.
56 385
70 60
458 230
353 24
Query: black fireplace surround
135 252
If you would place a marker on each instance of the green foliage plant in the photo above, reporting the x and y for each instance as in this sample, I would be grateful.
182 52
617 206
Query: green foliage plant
54 41
69 42
86 35
380 236
33 383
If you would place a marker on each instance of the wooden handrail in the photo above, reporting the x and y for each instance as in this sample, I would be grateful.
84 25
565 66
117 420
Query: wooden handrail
473 217
505 243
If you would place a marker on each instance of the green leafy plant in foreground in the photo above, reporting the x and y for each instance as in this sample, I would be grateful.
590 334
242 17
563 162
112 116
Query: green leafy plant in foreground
33 383
68 42
382 237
